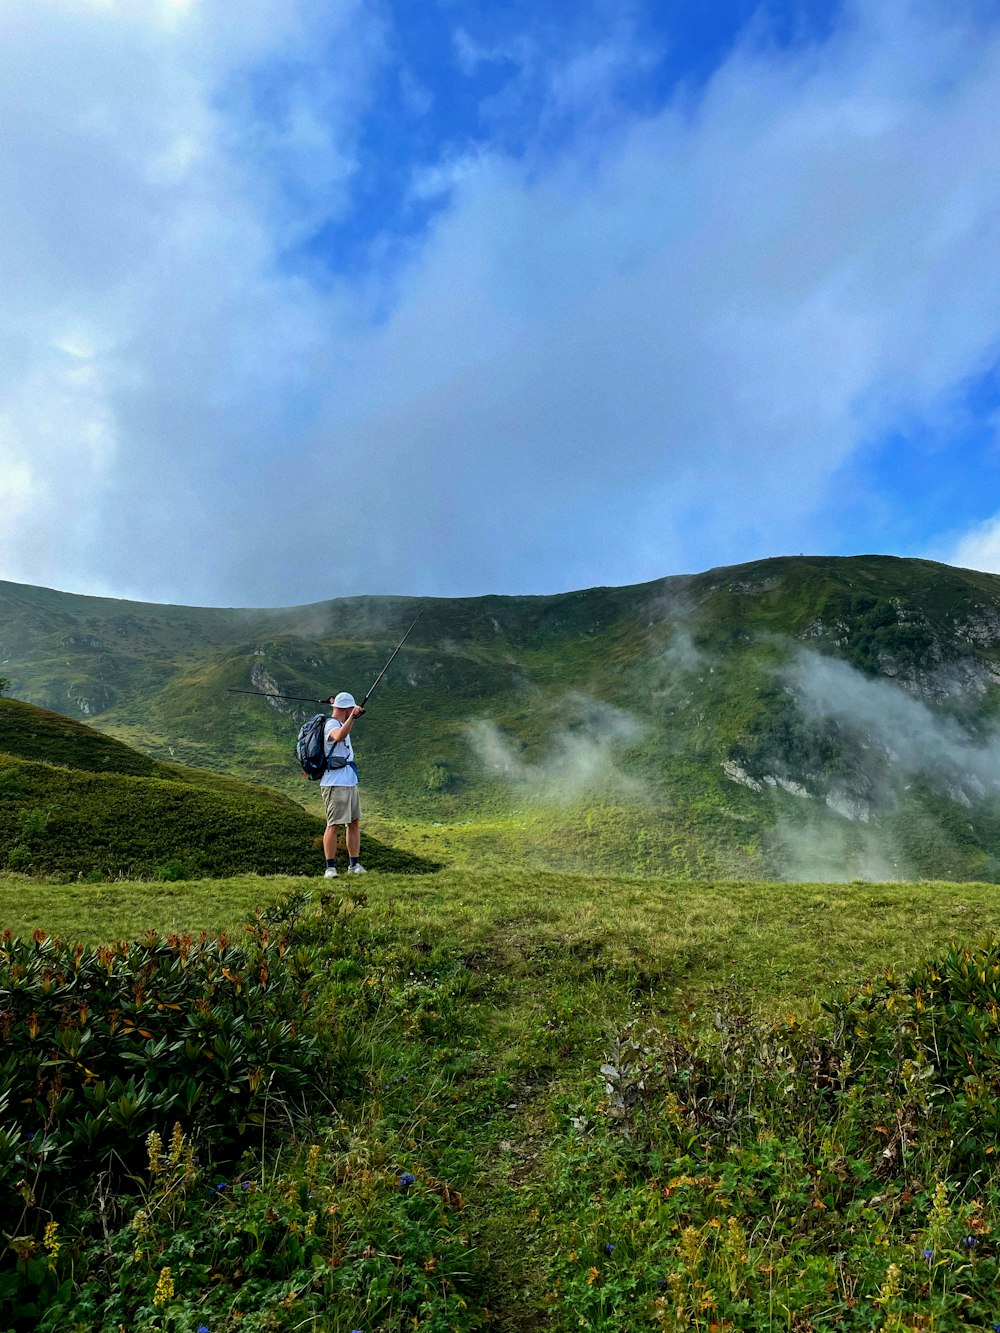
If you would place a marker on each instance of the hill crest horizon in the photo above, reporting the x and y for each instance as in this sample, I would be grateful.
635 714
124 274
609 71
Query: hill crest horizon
105 600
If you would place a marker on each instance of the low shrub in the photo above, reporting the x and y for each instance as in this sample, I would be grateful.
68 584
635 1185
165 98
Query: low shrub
838 1171
194 1133
173 871
103 1046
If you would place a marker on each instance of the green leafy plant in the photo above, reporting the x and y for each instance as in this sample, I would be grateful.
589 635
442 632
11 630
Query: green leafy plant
103 1046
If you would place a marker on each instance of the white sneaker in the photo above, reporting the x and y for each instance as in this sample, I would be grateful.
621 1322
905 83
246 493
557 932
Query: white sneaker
357 870
330 872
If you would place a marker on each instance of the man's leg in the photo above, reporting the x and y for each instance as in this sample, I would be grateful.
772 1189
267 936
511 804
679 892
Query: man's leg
330 842
353 831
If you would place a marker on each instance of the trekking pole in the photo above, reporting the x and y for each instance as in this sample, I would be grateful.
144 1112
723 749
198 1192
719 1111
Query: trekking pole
301 698
371 689
270 694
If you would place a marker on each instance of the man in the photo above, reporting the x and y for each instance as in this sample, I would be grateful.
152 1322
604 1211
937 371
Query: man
339 785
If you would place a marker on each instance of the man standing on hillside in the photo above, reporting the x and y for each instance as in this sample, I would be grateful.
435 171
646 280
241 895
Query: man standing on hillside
339 785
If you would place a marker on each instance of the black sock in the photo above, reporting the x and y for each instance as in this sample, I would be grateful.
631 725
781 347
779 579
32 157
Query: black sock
330 863
355 860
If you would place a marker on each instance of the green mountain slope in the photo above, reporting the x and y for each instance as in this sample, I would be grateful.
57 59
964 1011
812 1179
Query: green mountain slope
799 716
76 802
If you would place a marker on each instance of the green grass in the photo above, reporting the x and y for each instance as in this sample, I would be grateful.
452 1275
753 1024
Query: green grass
77 803
775 942
121 910
482 1007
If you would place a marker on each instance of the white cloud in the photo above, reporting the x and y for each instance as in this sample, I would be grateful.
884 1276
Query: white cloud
978 548
669 356
144 218
653 351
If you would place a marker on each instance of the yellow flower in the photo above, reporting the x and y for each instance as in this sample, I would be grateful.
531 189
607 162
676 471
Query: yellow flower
51 1239
312 1164
164 1288
893 1284
154 1147
177 1143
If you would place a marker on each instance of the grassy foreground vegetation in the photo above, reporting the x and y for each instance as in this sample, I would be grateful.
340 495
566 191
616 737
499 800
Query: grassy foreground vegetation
477 1100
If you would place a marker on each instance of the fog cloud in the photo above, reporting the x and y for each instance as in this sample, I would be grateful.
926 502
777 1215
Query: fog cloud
904 737
580 758
891 742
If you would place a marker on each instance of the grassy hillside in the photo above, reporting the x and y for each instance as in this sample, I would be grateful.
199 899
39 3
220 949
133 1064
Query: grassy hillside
80 803
502 1103
746 721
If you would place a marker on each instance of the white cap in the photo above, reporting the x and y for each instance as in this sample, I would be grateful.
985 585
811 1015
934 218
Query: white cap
344 700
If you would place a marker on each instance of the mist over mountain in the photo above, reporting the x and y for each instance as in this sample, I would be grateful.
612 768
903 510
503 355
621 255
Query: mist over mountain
806 717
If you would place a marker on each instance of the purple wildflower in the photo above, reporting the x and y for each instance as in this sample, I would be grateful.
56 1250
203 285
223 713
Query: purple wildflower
406 1180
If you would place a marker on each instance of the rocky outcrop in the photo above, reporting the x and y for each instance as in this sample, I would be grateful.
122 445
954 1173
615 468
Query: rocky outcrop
737 773
90 699
746 587
849 804
981 629
262 680
943 681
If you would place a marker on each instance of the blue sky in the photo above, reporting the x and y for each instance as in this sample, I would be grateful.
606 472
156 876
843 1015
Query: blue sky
316 297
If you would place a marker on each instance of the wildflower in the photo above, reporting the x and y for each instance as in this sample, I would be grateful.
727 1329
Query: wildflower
893 1284
164 1288
609 1249
51 1239
928 1255
406 1180
177 1143
940 1212
690 1246
312 1164
969 1242
154 1147
203 1328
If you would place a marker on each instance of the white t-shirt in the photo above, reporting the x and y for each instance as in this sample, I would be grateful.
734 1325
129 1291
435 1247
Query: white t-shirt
338 777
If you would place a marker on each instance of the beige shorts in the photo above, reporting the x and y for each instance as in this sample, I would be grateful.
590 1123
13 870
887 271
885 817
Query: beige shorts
343 804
